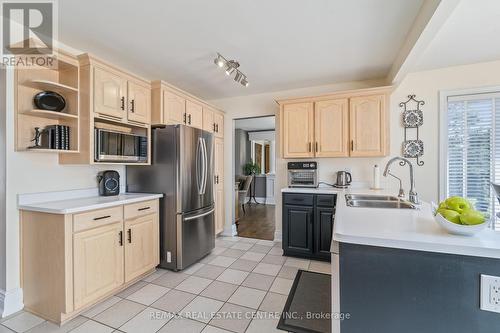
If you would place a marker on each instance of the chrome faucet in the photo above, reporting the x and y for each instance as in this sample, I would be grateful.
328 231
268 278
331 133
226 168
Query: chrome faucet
412 196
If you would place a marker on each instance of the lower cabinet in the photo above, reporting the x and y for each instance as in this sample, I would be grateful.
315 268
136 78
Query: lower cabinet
98 262
72 261
141 245
308 225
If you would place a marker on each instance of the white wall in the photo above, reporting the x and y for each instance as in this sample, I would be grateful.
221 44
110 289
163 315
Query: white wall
30 173
426 85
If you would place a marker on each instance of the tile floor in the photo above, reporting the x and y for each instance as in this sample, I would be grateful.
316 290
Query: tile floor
243 277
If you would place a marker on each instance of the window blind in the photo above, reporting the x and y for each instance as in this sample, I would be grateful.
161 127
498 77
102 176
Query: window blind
474 149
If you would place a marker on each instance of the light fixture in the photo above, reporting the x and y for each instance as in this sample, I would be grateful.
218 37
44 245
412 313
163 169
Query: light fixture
230 67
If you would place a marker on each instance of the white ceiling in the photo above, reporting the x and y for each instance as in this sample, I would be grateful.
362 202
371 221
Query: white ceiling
470 35
255 124
281 44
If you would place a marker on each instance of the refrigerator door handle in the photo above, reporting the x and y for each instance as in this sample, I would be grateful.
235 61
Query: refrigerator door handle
200 215
199 168
205 166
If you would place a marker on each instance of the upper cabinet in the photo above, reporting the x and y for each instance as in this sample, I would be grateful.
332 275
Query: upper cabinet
110 91
194 114
297 130
139 99
171 105
331 130
368 130
352 123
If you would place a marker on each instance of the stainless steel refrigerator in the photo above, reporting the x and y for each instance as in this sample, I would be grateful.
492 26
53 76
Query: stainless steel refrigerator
182 169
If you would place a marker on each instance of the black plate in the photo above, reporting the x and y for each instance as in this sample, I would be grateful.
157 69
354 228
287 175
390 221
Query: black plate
49 100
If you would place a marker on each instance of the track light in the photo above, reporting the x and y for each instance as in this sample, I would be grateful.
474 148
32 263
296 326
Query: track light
230 67
220 61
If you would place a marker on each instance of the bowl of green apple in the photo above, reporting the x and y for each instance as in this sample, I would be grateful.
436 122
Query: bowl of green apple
458 216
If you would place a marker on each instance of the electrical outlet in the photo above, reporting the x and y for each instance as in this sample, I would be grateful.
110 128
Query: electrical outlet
169 256
490 293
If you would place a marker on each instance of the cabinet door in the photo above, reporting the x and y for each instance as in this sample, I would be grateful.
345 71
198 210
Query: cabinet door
109 93
141 245
367 116
331 130
194 114
208 120
219 210
98 262
219 124
297 132
174 108
139 100
323 226
219 184
298 230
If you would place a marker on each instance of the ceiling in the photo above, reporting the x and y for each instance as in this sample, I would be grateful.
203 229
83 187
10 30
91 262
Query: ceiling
255 124
280 44
469 35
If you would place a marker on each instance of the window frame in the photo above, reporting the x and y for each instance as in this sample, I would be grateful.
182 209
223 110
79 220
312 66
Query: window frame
444 96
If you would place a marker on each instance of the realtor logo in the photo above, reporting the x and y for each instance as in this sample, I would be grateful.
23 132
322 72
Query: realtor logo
28 32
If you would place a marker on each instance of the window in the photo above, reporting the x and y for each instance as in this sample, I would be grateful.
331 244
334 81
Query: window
472 149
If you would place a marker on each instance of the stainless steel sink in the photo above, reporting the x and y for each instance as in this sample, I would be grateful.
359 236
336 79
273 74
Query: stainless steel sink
377 201
371 197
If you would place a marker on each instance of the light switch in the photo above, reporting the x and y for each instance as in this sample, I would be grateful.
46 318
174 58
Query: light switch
490 293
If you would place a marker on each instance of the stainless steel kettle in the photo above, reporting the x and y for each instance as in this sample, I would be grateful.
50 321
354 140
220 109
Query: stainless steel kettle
344 179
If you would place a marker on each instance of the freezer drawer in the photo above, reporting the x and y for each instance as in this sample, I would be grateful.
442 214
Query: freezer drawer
195 236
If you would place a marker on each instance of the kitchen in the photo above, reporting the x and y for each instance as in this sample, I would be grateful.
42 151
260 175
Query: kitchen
436 75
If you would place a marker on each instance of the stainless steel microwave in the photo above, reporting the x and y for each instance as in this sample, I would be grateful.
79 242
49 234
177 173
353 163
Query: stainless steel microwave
113 146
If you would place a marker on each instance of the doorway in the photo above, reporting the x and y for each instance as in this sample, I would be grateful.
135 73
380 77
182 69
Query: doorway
255 168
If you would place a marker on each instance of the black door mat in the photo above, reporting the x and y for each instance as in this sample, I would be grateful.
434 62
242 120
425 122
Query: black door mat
309 304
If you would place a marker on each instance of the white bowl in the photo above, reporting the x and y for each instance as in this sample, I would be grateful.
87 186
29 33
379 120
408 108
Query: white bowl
457 229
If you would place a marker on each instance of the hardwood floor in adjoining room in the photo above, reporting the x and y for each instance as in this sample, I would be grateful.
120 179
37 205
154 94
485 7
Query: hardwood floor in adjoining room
258 222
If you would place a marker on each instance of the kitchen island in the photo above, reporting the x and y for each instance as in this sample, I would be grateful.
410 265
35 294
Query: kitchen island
396 270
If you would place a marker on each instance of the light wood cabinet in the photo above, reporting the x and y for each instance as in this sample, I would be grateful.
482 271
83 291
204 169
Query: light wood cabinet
109 93
171 105
98 263
368 125
297 130
331 129
352 123
141 245
139 100
194 114
208 120
72 261
174 108
219 185
219 124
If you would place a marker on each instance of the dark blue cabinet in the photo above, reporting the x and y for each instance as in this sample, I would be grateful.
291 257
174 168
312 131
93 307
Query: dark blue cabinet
308 225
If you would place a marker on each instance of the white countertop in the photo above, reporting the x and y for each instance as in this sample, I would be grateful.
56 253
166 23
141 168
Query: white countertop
88 203
401 228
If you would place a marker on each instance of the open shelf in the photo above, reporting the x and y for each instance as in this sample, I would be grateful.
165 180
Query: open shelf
50 114
51 84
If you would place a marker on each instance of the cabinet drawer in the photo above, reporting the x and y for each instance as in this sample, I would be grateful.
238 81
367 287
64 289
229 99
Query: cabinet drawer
140 209
97 218
325 200
299 199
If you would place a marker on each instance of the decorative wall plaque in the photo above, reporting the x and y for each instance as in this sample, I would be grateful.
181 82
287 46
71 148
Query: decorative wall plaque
412 119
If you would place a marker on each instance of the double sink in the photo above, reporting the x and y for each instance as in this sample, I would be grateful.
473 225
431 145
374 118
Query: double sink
377 201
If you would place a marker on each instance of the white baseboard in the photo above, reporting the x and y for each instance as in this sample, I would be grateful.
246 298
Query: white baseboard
264 200
278 236
11 302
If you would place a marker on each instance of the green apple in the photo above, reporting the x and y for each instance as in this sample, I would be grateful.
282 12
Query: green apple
472 217
443 205
458 204
450 215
